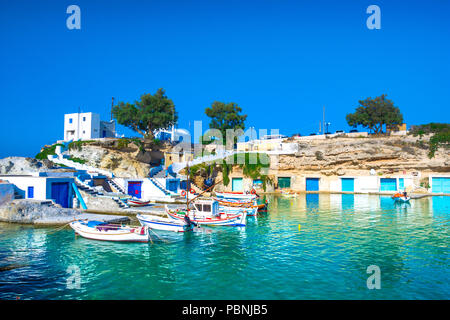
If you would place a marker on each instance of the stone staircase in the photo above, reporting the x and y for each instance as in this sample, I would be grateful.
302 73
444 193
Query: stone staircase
160 187
115 185
87 188
122 204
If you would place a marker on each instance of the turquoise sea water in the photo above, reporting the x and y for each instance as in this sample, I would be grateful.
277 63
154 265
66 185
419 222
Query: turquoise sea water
340 236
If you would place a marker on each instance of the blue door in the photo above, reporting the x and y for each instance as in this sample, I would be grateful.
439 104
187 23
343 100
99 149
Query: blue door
401 184
60 193
440 184
388 184
238 184
172 185
312 184
348 184
134 188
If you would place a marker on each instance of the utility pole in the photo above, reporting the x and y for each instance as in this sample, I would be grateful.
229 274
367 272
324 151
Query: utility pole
323 123
112 105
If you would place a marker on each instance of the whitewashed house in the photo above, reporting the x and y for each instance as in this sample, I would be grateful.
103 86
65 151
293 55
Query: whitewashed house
87 126
43 186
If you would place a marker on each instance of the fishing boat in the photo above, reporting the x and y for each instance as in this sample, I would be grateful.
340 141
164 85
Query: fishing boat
98 230
288 194
206 212
243 204
137 203
237 195
165 224
398 197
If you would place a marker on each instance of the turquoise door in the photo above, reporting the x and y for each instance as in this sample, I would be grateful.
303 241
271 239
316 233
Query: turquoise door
388 184
348 184
312 184
284 182
401 184
440 185
238 184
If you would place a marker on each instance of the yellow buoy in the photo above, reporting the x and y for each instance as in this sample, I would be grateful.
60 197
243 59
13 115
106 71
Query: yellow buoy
299 227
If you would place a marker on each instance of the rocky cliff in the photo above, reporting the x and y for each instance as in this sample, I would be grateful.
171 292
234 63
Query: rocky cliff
343 156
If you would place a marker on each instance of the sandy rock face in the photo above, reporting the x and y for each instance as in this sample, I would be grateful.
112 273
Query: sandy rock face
343 155
123 164
22 165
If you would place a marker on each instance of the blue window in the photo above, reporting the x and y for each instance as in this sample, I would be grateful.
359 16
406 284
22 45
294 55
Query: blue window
84 118
30 192
70 120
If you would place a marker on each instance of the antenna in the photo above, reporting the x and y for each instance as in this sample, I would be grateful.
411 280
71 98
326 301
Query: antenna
112 105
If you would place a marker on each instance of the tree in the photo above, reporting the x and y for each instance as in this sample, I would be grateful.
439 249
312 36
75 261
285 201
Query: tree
374 113
225 116
150 113
440 135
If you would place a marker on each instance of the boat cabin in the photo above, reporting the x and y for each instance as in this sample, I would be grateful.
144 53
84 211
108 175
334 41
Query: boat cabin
206 206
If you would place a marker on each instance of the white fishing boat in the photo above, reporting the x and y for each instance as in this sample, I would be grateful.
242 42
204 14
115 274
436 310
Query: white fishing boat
237 195
251 211
165 224
288 194
98 230
206 212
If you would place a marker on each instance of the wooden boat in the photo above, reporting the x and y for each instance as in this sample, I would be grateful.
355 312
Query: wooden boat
137 203
98 230
206 212
242 204
288 194
401 199
165 224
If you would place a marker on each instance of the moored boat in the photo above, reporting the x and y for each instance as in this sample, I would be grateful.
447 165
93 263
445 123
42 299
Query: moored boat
165 224
98 230
237 195
137 203
206 212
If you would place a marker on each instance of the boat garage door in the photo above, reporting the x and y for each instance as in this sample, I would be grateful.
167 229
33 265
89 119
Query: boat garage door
348 184
134 188
60 193
388 184
312 184
440 184
284 182
238 184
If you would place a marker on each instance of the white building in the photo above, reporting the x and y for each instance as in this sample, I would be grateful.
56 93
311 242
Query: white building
87 126
39 186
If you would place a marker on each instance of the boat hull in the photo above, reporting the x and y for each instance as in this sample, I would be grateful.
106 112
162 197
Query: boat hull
121 234
240 196
164 224
235 220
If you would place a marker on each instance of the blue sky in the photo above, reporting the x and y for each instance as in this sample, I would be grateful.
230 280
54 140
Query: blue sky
281 61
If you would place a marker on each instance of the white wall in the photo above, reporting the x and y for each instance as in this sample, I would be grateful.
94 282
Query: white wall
42 186
84 126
